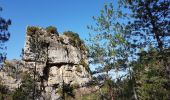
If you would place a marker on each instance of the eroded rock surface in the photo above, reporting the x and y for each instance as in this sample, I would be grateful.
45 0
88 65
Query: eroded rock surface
57 61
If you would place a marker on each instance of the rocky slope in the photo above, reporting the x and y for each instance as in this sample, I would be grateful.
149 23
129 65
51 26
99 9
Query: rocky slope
51 59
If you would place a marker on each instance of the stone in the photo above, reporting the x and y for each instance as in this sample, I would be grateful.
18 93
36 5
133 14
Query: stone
57 61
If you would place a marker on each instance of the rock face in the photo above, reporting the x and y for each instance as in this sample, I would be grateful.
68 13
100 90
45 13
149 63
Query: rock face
56 61
9 74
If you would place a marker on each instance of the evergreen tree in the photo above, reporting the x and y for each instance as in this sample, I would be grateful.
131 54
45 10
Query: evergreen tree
108 47
150 22
146 23
151 75
4 36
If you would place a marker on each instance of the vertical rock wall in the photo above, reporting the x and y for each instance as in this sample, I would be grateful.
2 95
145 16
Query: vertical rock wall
58 62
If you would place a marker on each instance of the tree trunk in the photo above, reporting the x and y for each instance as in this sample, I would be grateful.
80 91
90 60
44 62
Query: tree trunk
134 92
155 29
133 84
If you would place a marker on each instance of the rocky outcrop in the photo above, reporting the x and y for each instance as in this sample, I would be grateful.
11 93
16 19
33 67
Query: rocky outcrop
10 74
53 59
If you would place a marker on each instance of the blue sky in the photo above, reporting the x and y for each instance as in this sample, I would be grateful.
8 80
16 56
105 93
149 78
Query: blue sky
66 15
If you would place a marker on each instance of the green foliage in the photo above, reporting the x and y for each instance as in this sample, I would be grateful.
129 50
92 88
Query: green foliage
24 92
20 94
150 74
4 36
100 94
37 43
59 91
75 86
52 29
124 89
4 92
116 45
92 96
31 30
66 91
78 69
84 64
61 39
75 40
108 47
150 22
11 69
6 64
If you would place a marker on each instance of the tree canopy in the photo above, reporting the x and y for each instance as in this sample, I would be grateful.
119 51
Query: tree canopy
4 35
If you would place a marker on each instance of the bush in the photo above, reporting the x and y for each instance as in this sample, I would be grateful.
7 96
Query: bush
75 40
78 69
75 86
25 91
71 34
52 29
19 94
31 30
5 93
84 64
3 89
61 39
67 92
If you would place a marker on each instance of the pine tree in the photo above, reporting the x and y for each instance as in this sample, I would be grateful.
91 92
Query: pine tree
4 36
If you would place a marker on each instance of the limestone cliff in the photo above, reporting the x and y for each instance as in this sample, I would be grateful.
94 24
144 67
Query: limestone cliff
53 59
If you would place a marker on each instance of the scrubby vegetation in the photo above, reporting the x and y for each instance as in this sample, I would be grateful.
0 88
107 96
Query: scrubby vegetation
97 95
52 29
84 64
131 39
150 74
61 39
67 92
75 40
24 92
137 49
32 30
78 69
4 92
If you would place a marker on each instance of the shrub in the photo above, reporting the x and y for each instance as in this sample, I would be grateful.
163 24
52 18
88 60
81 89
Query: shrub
75 40
52 29
19 94
84 64
25 91
61 39
83 47
6 64
31 30
3 89
67 92
5 93
59 91
71 34
75 86
78 69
